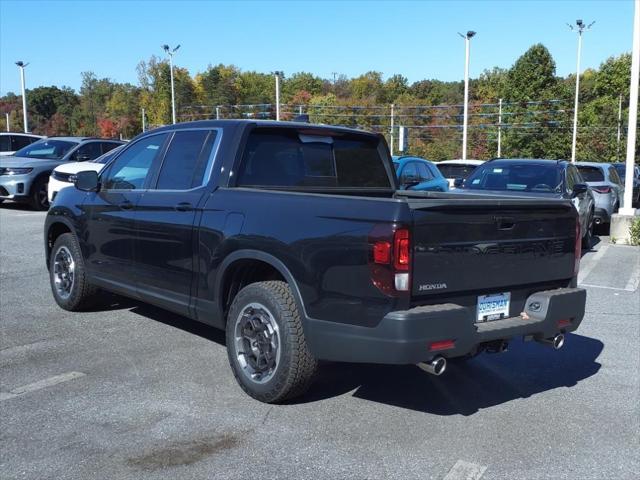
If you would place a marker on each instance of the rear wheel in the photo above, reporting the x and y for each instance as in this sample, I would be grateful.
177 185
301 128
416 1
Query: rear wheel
587 238
267 349
39 194
67 275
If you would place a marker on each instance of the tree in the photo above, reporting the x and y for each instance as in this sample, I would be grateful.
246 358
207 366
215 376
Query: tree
533 76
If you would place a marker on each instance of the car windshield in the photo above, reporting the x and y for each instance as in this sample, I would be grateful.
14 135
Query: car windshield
46 149
104 158
455 170
521 177
591 174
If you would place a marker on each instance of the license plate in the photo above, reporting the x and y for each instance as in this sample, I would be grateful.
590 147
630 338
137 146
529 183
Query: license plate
493 307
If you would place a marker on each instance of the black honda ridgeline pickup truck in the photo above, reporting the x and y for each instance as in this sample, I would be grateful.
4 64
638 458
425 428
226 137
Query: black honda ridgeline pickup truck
295 239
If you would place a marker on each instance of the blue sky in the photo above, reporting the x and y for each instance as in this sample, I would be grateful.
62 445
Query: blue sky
417 39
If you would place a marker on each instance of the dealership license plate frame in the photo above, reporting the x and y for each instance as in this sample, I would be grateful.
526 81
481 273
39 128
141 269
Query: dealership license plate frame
494 306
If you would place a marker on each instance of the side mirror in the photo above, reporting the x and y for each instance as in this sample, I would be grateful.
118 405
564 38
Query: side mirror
87 181
579 189
458 182
408 182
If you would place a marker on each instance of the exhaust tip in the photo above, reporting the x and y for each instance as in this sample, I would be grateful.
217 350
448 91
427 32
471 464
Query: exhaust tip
558 341
436 367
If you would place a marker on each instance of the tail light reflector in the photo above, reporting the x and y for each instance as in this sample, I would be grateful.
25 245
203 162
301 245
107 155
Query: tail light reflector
441 345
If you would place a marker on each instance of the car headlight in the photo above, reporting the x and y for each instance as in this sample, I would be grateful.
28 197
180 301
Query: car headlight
14 171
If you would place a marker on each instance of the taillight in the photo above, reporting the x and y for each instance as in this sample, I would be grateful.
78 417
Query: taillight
602 189
390 259
578 248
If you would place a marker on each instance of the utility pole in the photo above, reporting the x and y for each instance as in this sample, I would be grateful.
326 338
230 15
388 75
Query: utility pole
277 73
467 43
7 117
299 109
217 113
632 123
144 122
499 128
21 65
170 53
580 28
619 128
392 125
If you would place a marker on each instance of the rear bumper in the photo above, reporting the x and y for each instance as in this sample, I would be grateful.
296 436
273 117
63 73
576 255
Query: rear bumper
404 337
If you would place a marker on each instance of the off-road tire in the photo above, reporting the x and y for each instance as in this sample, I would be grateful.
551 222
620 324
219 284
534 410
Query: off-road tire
83 294
296 367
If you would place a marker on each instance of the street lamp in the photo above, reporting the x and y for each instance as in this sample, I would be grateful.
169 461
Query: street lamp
278 74
467 42
170 53
580 28
21 65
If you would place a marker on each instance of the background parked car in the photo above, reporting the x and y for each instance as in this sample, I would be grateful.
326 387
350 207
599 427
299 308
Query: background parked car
63 175
621 168
535 178
452 169
11 142
24 176
415 173
608 189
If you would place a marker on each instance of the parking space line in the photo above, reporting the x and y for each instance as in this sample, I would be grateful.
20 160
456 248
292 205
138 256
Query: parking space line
465 471
607 288
634 280
40 384
593 261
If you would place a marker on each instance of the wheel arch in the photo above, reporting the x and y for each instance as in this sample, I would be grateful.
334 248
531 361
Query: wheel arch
239 259
56 228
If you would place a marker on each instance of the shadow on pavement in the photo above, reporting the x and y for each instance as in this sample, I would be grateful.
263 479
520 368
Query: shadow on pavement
19 206
527 369
465 388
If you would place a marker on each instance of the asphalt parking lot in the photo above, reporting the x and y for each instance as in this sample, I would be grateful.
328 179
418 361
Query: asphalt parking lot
130 391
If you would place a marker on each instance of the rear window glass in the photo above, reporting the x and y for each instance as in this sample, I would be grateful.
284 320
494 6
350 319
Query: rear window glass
290 158
520 177
591 174
450 170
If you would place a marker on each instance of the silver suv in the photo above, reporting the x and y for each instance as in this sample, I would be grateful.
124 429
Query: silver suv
607 187
24 176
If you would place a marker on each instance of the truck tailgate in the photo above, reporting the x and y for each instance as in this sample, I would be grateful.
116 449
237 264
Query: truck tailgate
489 244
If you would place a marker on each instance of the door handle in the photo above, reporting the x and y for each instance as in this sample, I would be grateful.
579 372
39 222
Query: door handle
126 205
184 207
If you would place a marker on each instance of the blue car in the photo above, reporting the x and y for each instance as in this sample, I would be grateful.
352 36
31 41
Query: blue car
415 173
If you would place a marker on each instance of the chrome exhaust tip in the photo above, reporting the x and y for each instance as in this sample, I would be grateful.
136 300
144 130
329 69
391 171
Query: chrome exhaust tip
436 367
556 342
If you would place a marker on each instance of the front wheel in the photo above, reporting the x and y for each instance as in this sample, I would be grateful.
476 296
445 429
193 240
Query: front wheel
266 345
67 275
40 194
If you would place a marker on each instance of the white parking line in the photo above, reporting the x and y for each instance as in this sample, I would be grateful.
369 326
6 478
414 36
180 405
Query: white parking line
465 471
593 261
47 382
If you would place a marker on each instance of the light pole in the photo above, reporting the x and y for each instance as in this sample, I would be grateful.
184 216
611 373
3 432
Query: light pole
392 125
21 65
170 53
632 123
277 74
499 128
467 43
580 28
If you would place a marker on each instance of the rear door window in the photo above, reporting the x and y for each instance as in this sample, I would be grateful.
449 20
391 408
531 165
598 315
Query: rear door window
186 160
423 172
5 143
292 158
21 141
613 175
